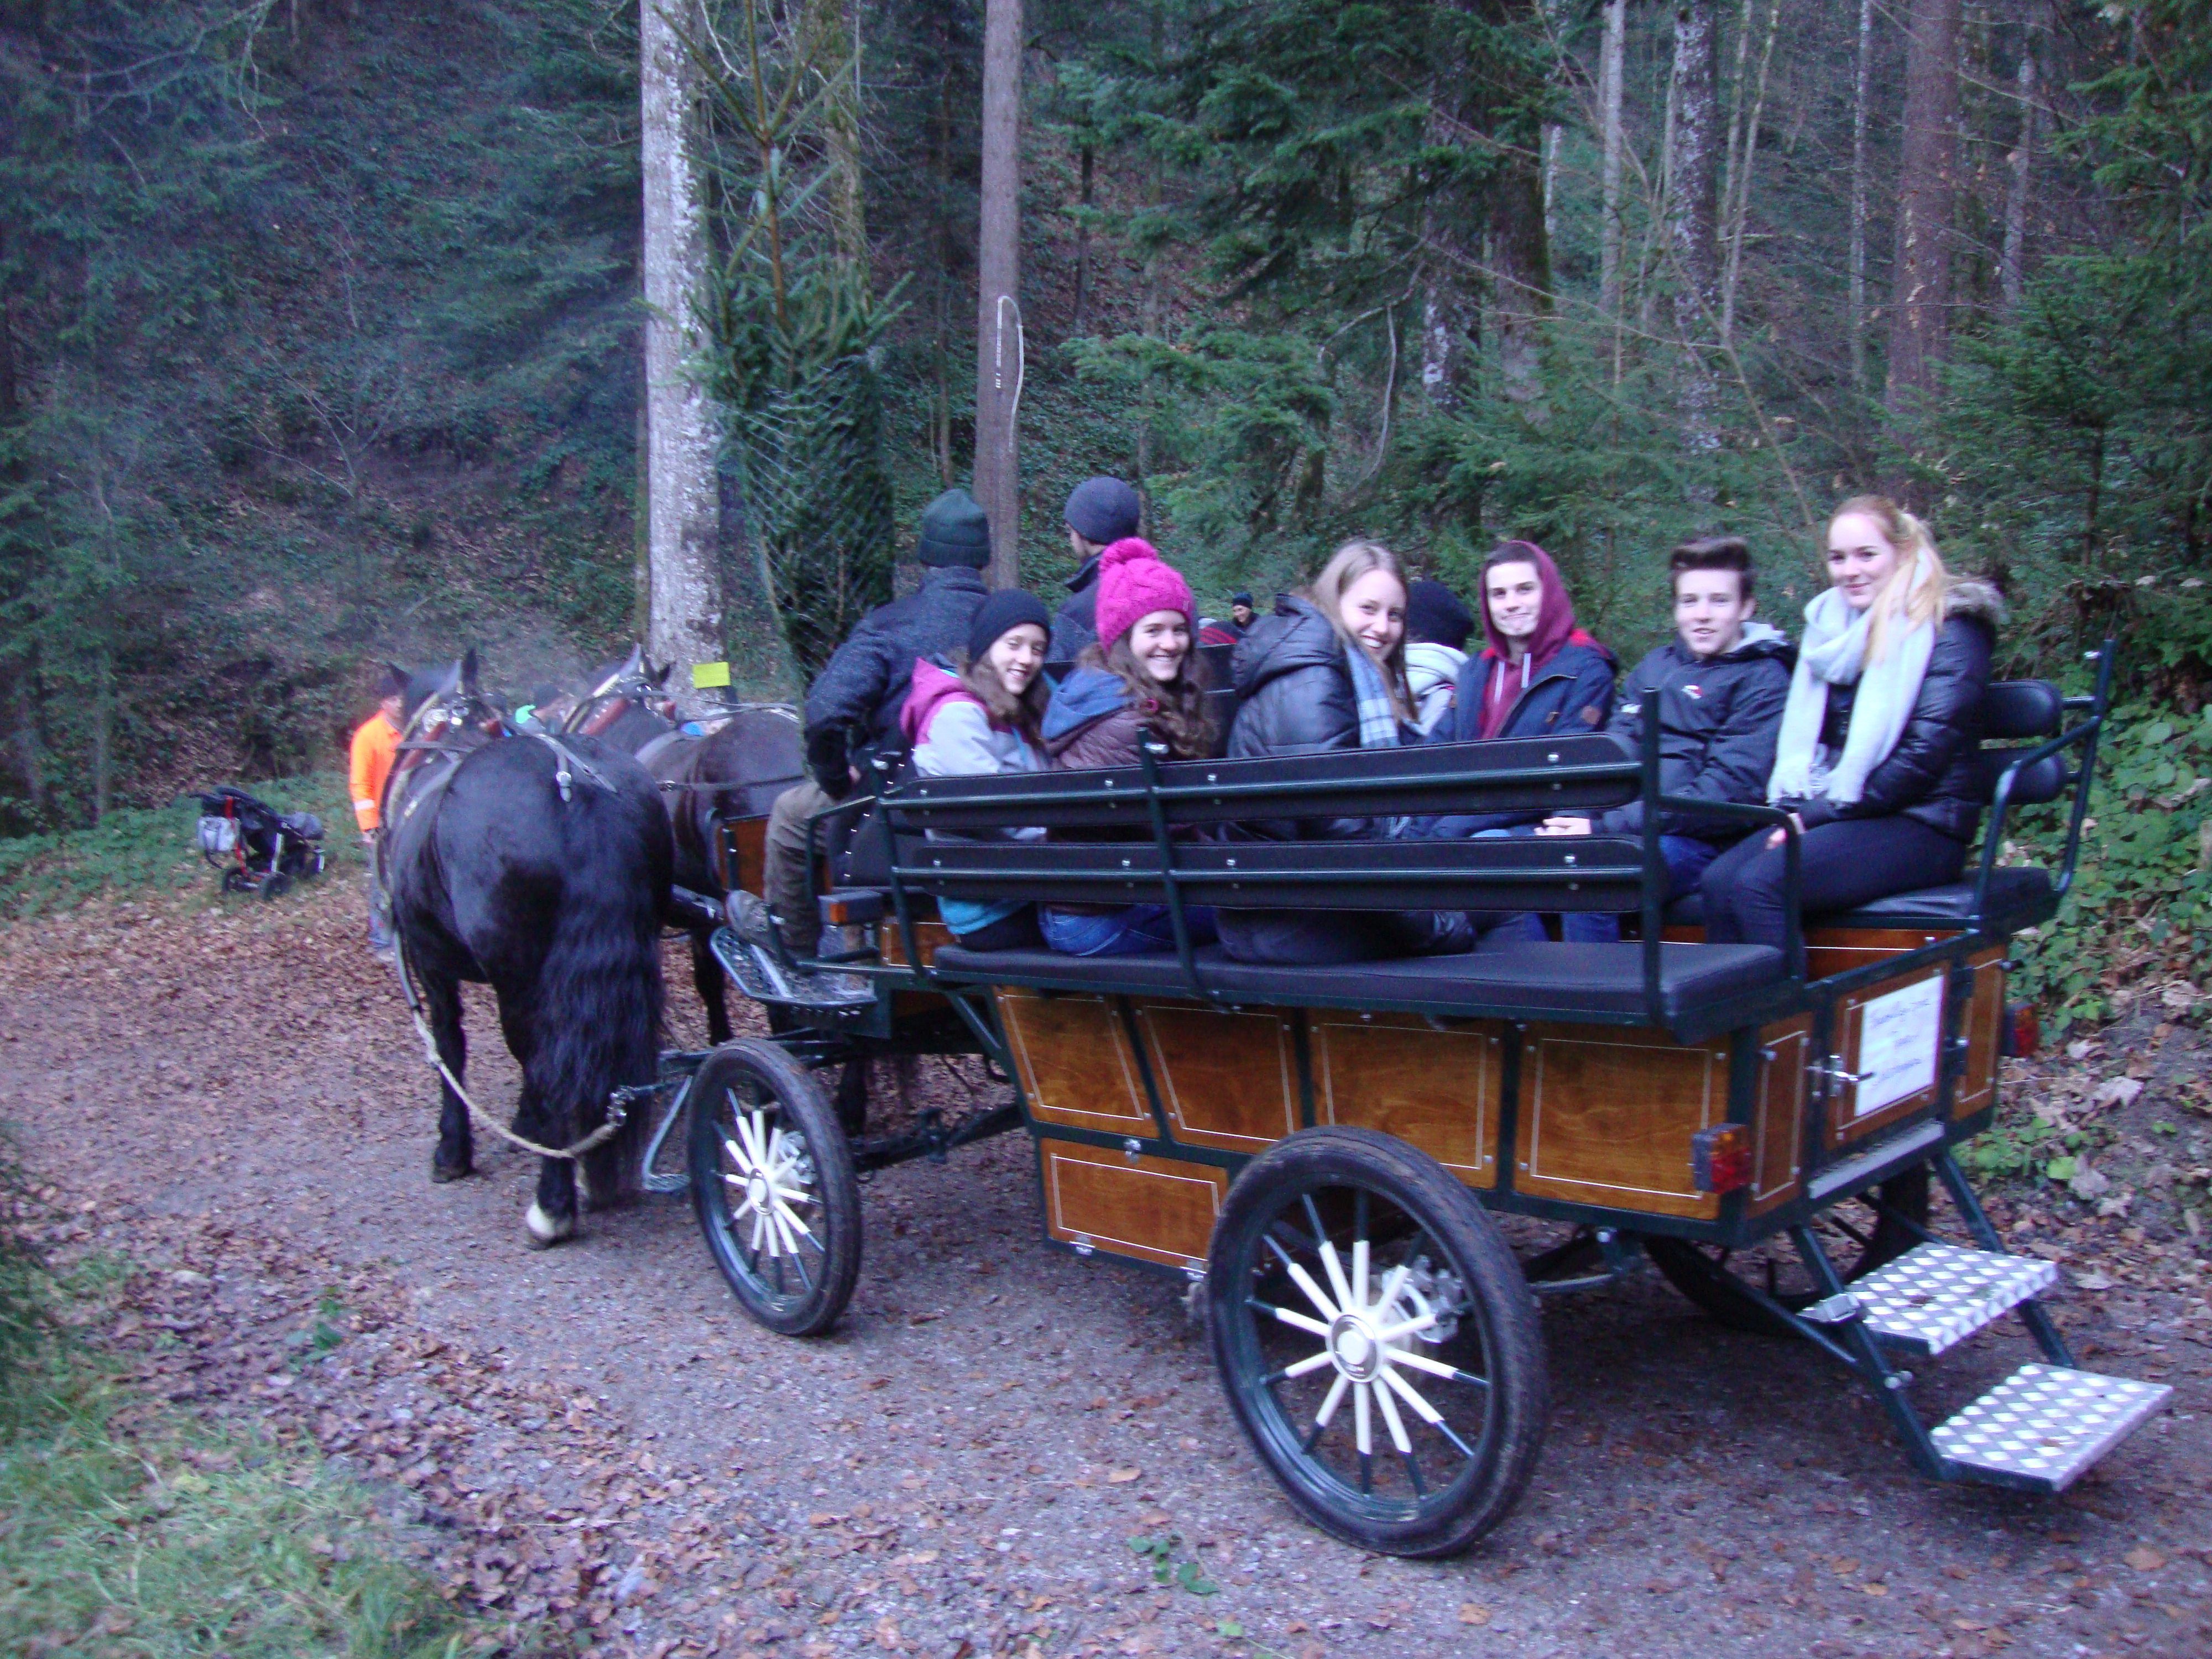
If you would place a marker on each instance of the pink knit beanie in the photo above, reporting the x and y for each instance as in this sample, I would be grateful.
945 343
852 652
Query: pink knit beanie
1132 583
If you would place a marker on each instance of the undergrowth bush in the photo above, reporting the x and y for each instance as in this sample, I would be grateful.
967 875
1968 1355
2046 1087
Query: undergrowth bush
2137 923
137 847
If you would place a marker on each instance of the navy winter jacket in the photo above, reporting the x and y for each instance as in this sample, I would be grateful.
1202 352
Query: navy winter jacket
852 710
1718 720
1572 693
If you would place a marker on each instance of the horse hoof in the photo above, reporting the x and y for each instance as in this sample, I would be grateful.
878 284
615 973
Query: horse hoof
442 1171
545 1231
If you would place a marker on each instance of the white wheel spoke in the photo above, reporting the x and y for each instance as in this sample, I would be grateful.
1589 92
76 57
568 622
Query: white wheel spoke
1390 1418
1299 1321
1359 1273
1331 1400
761 1140
1335 1268
1303 1280
1421 1362
1362 1419
1311 1363
791 1194
1391 1334
1404 1390
786 1216
790 1244
760 1227
1391 1286
749 1158
737 1154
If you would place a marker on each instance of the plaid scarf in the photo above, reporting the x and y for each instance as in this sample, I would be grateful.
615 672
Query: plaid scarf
1378 715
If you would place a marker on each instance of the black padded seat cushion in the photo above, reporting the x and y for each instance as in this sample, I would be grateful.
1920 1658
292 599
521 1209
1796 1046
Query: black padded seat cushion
1598 979
2019 897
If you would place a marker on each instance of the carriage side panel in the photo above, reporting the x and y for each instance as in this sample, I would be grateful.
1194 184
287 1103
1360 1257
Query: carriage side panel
1072 1058
1228 1078
1159 1210
1606 1118
1977 1089
1434 1087
1778 1129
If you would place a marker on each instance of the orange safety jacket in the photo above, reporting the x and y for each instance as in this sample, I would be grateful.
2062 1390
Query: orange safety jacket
374 747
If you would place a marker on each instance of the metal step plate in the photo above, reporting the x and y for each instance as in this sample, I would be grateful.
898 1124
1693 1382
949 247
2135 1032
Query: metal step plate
2044 1424
1935 1296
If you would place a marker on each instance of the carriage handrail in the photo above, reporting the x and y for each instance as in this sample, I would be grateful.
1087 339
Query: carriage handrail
2086 735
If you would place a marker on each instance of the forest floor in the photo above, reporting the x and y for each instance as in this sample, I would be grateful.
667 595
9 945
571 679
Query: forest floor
593 1441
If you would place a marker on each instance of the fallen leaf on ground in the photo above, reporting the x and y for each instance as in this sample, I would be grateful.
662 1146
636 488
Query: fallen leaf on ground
1122 1477
2144 1559
1474 1613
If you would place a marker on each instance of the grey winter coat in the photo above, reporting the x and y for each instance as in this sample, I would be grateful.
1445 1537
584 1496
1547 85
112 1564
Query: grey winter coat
852 710
1718 717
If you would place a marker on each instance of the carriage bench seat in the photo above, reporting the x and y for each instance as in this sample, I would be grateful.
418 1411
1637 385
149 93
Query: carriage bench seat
1523 980
2020 896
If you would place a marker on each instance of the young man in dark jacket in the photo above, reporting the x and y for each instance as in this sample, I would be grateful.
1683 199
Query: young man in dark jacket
852 710
1100 511
1717 690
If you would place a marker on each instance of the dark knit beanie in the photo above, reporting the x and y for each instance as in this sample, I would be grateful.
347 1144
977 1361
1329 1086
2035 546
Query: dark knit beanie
1437 616
1103 510
1244 599
1010 607
390 683
955 531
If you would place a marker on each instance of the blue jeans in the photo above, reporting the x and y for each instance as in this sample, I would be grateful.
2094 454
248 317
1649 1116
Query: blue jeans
1686 859
1136 930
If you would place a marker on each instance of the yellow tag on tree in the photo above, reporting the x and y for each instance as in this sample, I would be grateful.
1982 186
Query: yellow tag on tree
706 676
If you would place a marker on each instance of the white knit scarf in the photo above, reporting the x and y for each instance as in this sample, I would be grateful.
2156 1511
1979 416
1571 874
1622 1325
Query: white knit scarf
1834 653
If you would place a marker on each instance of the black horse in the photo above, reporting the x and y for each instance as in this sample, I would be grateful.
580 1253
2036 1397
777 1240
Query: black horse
747 756
542 869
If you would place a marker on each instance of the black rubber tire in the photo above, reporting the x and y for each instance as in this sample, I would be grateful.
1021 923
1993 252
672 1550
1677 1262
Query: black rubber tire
1375 1186
275 885
1708 1275
758 1076
235 881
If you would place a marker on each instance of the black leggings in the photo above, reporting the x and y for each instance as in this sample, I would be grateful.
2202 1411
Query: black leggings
1850 861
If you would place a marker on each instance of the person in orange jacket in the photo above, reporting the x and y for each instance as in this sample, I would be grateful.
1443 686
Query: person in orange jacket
373 746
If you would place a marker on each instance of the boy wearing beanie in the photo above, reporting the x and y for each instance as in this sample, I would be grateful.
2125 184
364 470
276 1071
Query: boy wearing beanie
1100 511
851 711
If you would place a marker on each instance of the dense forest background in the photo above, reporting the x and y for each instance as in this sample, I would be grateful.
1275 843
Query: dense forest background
320 335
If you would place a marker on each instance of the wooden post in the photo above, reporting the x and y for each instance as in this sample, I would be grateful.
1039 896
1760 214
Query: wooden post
998 311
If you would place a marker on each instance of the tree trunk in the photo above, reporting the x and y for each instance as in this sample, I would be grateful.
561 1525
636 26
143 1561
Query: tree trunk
1920 311
832 41
1862 99
1692 227
1735 197
1612 61
687 622
998 312
640 511
1520 275
2012 270
1075 322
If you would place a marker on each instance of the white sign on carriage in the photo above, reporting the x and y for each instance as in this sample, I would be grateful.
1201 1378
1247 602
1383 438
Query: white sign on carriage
1898 1035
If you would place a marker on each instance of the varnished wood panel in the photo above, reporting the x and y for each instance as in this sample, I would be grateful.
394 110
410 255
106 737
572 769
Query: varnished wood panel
932 936
1778 1122
1606 1117
1437 1089
1845 1126
1228 1078
1838 950
1074 1062
1984 1029
1152 1209
743 848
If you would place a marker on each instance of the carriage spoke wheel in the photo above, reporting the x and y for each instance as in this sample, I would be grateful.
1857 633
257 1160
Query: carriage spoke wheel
1377 1341
773 1185
1857 1234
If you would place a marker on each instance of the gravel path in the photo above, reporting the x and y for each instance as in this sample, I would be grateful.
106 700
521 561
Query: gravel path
595 1436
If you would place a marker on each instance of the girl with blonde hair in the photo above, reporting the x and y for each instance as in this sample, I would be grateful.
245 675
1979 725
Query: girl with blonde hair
1874 756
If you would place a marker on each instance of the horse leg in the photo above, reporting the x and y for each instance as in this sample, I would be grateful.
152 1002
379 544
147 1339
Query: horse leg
441 1005
707 976
852 1097
552 1213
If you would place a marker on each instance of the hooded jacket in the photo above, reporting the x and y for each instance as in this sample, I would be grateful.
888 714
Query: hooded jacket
1562 683
953 735
1294 698
1718 717
1433 672
1930 774
852 710
1090 722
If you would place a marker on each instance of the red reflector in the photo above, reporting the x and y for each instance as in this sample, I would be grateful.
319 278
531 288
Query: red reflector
2022 1031
1719 1159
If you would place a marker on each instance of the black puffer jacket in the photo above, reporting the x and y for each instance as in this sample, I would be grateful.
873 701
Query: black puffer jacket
853 709
1718 717
1076 624
1929 774
1294 698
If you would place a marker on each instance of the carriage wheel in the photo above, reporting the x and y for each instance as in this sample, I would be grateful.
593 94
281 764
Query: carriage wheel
1858 1236
773 1185
1377 1341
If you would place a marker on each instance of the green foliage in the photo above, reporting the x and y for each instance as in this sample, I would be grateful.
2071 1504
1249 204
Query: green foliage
2139 915
137 1533
137 849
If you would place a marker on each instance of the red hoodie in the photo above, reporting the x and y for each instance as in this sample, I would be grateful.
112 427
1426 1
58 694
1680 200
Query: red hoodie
1555 630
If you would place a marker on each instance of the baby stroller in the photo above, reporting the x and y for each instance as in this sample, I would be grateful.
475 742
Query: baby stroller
258 848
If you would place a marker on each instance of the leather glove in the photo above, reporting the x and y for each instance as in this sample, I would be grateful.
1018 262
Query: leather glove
825 760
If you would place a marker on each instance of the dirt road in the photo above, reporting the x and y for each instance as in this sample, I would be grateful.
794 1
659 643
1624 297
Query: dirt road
594 1434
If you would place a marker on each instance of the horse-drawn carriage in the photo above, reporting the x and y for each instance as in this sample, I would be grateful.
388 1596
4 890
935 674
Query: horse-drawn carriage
1324 1150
